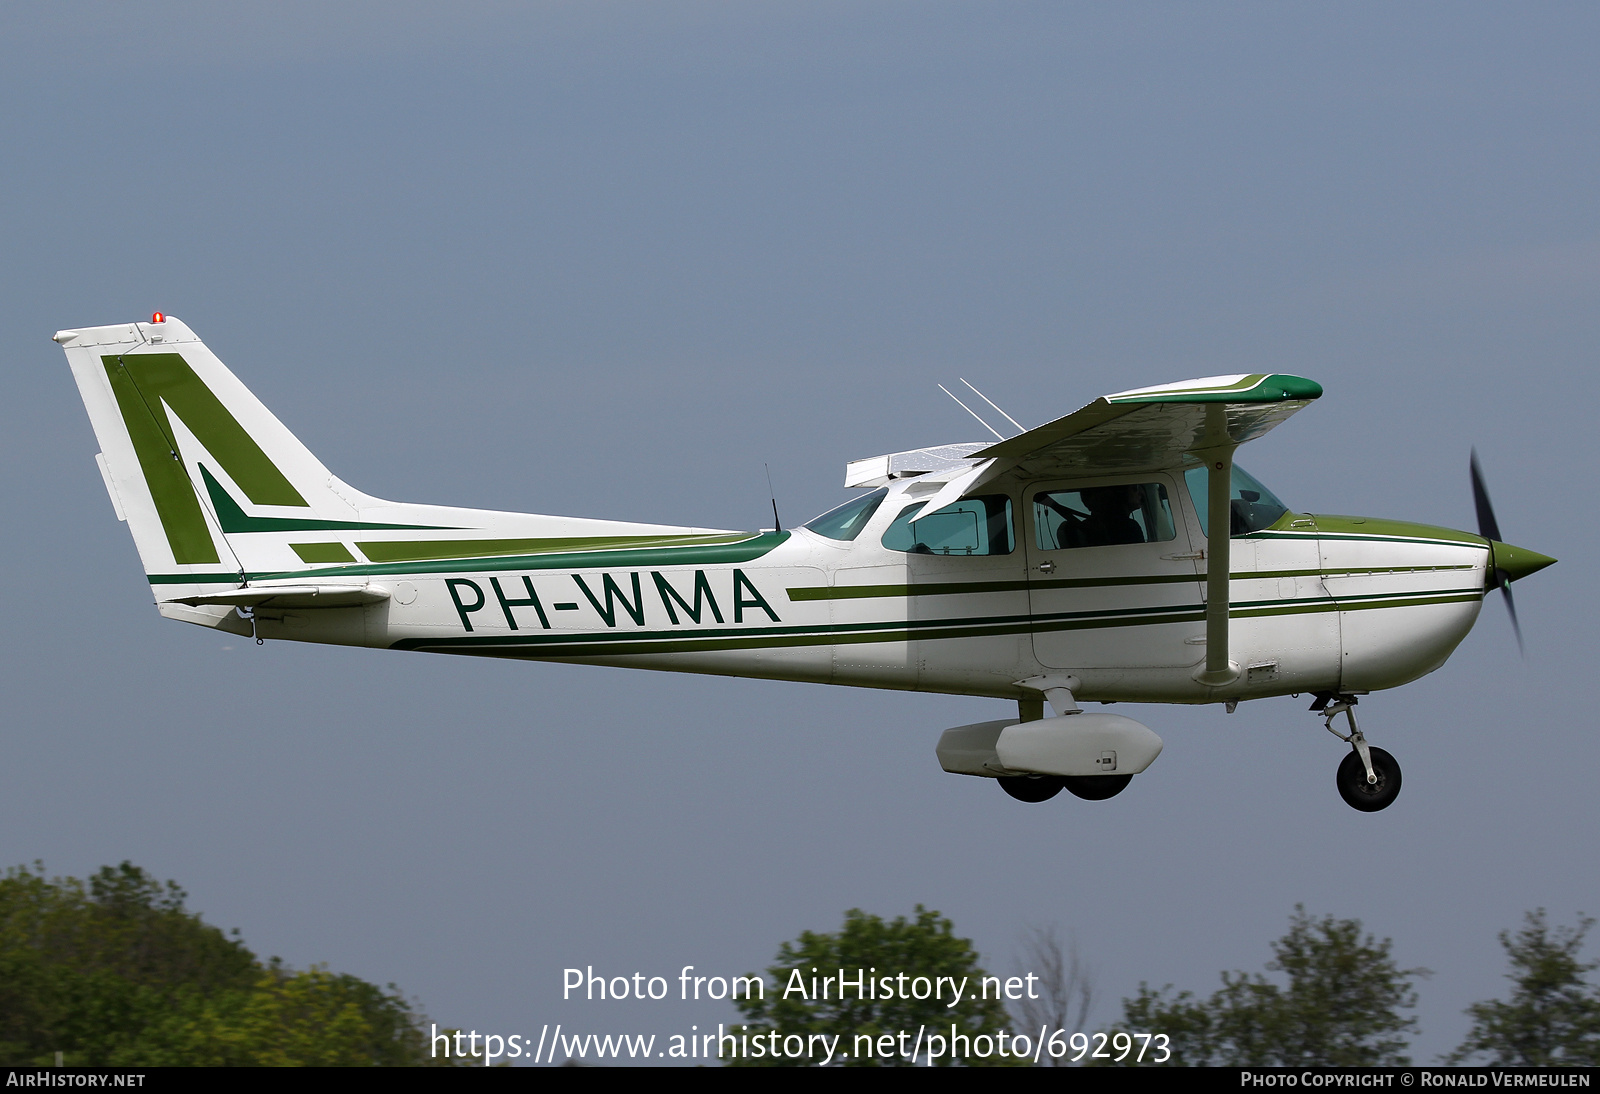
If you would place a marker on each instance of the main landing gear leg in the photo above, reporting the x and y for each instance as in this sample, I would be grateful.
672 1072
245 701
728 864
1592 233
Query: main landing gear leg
1368 778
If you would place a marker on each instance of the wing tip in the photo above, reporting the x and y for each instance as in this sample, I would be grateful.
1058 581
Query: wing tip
1259 387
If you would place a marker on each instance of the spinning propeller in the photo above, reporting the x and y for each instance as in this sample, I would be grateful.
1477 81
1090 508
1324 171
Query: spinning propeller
1506 563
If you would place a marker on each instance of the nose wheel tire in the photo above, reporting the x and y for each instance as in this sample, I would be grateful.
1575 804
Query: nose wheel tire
1031 788
1357 792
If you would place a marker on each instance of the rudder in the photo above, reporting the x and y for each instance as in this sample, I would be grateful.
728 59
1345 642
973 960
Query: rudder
185 447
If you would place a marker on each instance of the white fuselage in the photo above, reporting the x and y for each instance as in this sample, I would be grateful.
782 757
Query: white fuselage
1318 604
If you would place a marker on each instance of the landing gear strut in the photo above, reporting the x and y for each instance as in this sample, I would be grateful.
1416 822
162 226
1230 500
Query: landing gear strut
1368 778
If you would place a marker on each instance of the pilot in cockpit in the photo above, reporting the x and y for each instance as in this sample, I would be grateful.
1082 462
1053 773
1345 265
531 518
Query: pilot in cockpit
1109 521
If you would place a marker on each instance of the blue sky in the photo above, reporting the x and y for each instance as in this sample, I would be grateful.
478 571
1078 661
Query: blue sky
609 260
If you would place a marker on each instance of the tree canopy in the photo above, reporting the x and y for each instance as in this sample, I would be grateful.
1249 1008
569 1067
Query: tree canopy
925 946
1344 1005
115 971
1553 1015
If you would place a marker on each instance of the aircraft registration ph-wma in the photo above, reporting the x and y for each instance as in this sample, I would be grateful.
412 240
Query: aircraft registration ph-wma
1070 563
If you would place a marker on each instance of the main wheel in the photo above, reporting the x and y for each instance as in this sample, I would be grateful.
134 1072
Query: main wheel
1357 792
1097 788
1030 788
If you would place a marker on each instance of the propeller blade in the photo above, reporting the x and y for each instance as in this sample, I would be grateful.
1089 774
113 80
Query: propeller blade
1511 606
1488 527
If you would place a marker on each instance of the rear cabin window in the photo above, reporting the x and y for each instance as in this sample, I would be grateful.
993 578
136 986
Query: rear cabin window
1103 516
972 526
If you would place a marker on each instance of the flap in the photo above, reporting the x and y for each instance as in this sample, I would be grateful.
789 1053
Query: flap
949 459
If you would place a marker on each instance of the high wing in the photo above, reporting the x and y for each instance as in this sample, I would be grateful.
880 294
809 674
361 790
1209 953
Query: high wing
1146 429
1151 428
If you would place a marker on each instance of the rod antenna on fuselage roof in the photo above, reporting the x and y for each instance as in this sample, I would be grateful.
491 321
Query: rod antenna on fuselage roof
974 413
1020 427
777 525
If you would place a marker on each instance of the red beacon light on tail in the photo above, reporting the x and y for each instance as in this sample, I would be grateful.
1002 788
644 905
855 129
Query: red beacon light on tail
157 317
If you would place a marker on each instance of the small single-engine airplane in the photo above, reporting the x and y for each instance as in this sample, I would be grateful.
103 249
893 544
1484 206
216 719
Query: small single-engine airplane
1069 563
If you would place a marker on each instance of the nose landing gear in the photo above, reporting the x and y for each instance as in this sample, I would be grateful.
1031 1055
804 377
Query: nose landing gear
1368 778
1369 794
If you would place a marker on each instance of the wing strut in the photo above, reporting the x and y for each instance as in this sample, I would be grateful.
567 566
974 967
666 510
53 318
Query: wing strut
1219 670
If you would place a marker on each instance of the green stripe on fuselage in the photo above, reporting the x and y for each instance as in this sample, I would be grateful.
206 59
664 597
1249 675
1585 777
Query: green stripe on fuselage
744 549
1371 528
590 644
427 550
955 588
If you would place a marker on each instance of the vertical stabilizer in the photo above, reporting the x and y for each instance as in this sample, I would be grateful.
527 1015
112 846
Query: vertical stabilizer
218 493
194 462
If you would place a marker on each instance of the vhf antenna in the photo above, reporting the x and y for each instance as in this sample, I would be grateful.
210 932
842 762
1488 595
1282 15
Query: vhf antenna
777 525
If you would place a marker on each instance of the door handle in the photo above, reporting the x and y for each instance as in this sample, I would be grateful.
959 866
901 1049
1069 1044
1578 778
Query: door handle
1047 567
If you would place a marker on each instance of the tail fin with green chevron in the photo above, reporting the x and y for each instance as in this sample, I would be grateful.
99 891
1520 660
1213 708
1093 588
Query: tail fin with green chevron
218 492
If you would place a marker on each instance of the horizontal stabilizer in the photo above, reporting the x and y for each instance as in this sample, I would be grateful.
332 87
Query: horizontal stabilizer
292 596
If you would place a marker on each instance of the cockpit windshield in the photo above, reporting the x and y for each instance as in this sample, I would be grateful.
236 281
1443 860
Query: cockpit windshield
1251 506
845 522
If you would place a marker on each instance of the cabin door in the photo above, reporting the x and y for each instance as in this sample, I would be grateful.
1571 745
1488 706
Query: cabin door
1114 578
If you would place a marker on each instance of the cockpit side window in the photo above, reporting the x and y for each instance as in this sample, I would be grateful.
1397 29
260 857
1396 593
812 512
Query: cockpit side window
844 522
1251 506
972 526
1103 516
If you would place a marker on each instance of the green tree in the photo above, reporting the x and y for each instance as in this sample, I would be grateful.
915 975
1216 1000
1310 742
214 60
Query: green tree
116 971
311 1018
1344 1005
868 947
85 966
1553 1015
